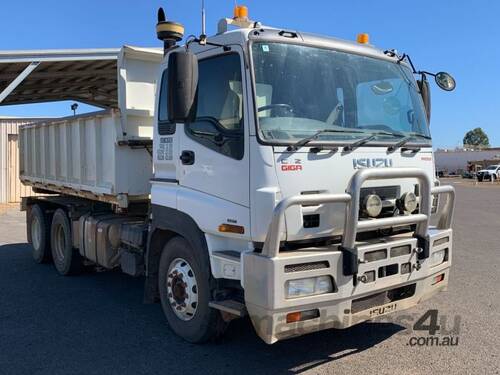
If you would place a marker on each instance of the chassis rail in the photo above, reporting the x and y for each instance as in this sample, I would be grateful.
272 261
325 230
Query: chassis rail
351 219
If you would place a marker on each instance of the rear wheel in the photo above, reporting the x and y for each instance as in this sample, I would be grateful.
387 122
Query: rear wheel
38 232
184 284
67 260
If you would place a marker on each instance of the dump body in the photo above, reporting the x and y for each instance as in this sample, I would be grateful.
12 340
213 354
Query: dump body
82 156
103 155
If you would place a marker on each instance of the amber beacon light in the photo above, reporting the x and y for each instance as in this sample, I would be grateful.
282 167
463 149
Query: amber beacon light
363 38
240 12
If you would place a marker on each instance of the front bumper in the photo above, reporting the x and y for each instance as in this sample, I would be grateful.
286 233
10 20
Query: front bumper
399 269
350 303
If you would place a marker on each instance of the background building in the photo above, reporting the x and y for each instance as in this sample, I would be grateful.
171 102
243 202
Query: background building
454 161
11 189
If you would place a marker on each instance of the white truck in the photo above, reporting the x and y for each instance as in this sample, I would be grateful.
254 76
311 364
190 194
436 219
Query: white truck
260 171
490 173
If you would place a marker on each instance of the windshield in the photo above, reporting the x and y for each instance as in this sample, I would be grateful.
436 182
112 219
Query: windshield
301 90
492 167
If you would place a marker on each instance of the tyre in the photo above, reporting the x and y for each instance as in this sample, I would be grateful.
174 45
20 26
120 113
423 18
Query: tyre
67 260
185 290
38 233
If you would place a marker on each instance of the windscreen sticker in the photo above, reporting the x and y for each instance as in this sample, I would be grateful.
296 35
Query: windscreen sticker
265 48
165 150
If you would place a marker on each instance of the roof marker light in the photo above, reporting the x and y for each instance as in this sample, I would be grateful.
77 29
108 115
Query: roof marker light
363 38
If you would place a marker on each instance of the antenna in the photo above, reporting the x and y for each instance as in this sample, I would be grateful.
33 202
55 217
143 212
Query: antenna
203 21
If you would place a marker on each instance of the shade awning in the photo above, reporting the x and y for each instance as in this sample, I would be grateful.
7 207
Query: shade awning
88 76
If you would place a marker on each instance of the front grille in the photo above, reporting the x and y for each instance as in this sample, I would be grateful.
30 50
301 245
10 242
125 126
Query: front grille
441 241
372 256
398 251
306 266
382 298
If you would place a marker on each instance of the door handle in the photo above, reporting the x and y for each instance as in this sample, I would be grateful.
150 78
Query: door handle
187 157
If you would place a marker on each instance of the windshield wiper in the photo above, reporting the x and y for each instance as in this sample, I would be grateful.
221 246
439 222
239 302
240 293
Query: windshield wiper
371 137
360 142
306 140
405 140
399 144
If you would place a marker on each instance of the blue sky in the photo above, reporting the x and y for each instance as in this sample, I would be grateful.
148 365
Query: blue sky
459 36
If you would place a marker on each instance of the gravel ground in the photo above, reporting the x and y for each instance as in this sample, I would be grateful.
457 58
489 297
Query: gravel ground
96 323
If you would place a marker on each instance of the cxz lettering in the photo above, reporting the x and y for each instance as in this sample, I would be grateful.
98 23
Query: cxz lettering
291 165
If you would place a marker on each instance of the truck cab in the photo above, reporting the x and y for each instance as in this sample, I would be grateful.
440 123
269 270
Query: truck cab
305 164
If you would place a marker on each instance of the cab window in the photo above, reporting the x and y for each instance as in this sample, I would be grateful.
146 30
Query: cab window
219 115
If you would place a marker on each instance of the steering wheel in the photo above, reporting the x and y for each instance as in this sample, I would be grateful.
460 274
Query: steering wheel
285 108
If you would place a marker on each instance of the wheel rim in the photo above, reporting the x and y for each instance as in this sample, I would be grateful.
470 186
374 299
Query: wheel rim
182 289
36 233
60 242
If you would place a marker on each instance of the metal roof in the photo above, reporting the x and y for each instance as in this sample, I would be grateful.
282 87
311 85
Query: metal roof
85 75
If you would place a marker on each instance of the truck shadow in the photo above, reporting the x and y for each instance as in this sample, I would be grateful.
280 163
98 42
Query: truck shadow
97 322
306 352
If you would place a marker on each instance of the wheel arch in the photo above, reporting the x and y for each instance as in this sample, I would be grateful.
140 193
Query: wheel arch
168 223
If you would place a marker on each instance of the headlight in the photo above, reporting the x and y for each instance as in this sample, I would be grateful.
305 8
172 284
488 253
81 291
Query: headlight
438 257
408 202
310 286
373 205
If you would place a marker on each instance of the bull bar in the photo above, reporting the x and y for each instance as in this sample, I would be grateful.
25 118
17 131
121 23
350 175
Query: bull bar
351 219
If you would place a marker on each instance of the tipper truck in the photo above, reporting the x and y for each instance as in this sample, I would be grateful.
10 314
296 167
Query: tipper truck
260 172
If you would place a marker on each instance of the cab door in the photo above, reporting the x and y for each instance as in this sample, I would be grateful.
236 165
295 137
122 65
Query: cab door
214 157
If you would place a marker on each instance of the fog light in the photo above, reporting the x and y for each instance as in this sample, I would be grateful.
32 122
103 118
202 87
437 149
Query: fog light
408 202
438 257
310 286
373 205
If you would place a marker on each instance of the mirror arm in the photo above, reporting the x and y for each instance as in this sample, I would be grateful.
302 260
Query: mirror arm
202 41
422 72
402 57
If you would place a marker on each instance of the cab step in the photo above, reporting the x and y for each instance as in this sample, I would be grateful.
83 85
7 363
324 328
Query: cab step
230 306
226 264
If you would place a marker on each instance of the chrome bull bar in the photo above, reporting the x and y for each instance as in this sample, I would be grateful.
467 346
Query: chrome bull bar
351 219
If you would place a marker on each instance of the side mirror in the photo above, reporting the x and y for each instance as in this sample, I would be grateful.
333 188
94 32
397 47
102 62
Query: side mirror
445 81
182 86
425 92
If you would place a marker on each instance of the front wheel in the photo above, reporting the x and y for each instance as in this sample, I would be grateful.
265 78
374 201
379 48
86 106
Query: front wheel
185 290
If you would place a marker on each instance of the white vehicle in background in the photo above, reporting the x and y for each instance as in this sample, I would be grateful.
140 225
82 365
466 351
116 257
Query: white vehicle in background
490 173
273 173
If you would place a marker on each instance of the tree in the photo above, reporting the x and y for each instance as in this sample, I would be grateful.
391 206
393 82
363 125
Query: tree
476 137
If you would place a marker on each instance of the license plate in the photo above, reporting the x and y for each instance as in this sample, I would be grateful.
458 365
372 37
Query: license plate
382 310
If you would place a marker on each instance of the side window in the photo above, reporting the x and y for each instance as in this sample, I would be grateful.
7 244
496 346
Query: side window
165 127
219 115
